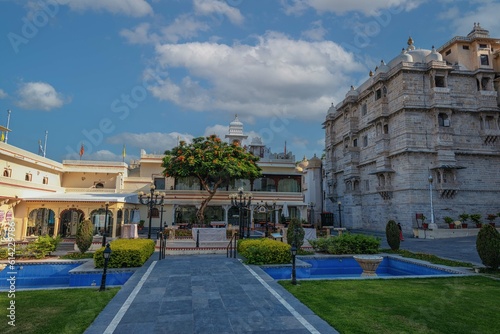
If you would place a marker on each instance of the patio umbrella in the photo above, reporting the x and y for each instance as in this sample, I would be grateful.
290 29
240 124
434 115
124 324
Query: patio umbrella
136 216
284 211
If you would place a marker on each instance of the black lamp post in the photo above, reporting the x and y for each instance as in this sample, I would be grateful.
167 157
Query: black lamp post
104 233
340 214
242 201
151 199
267 209
311 213
294 271
106 254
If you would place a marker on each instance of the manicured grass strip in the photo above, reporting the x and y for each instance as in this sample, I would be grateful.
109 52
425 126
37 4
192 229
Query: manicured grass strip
54 311
428 257
438 305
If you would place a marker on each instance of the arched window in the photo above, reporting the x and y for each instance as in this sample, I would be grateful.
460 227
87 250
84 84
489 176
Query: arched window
99 185
155 213
7 172
443 119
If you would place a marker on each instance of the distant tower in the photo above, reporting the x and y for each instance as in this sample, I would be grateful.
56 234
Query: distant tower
236 135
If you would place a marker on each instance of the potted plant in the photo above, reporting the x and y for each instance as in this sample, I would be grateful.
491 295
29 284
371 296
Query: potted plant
476 219
425 225
491 218
140 226
464 217
449 221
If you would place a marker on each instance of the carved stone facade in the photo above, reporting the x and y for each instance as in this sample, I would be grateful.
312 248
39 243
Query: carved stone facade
427 113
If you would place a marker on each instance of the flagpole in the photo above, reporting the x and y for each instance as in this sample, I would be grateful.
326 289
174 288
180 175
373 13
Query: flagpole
8 122
45 144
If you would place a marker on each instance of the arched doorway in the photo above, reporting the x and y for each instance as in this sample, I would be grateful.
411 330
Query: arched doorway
98 218
41 222
70 219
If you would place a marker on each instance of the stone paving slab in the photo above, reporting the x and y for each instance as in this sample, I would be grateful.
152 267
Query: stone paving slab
206 294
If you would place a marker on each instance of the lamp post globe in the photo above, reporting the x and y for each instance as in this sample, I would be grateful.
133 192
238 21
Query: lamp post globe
151 199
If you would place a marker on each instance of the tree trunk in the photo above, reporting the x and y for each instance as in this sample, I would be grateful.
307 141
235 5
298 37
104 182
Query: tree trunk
200 215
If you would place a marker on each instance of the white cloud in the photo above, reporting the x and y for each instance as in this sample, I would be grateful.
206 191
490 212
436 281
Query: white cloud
39 96
183 27
3 94
367 7
135 8
152 142
486 13
277 77
209 7
316 33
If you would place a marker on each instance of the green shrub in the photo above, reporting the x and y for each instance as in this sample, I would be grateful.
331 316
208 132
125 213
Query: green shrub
347 244
392 234
488 246
264 251
84 235
295 232
40 248
126 253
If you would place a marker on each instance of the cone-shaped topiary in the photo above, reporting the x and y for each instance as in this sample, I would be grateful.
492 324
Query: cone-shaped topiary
84 235
488 246
392 234
295 232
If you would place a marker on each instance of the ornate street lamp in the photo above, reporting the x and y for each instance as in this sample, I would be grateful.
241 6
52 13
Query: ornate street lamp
432 225
266 209
106 254
311 213
104 233
152 199
241 200
294 254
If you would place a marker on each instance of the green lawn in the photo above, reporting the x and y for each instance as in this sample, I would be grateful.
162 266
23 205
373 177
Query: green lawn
438 305
54 311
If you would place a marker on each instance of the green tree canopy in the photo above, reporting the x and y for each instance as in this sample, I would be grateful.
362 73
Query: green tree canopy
214 162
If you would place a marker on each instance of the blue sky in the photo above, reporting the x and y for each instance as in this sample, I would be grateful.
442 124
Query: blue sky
146 73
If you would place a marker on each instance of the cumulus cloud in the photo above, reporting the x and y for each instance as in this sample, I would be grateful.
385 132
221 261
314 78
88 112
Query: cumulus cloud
277 77
316 33
210 7
39 96
152 142
486 13
3 94
367 7
183 27
134 8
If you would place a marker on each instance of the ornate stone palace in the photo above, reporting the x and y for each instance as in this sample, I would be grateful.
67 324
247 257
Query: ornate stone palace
424 124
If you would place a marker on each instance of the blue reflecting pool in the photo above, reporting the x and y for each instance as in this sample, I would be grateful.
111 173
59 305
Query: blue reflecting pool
58 274
347 267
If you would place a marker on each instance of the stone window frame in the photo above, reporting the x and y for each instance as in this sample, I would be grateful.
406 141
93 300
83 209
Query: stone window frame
444 120
484 60
7 172
28 177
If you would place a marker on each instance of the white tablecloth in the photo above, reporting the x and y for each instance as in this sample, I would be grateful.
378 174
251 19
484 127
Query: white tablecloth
310 234
129 231
210 234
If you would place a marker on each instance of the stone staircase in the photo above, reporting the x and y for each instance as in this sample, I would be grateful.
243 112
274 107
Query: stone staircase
64 248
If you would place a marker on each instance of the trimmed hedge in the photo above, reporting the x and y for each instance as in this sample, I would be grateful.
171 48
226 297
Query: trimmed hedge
347 244
392 234
126 253
264 251
488 246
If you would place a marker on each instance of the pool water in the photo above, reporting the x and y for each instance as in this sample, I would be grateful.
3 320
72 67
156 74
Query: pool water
55 274
347 267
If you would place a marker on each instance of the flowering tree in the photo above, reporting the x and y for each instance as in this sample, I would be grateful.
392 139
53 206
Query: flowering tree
213 162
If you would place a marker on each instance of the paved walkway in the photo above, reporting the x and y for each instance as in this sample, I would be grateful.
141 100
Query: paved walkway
214 294
204 294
